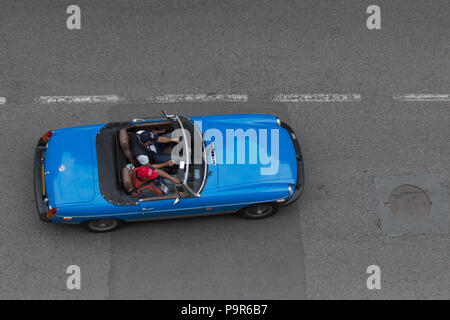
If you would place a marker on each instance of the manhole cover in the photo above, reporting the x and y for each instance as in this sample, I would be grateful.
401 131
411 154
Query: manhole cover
409 202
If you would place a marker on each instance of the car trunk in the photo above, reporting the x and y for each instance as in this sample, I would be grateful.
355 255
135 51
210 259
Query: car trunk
69 169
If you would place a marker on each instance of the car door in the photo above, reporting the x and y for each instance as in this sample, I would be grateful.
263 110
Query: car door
164 207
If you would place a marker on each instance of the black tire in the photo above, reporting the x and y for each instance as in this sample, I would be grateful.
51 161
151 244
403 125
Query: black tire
259 210
102 225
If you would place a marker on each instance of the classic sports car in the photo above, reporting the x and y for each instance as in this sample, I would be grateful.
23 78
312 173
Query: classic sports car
81 173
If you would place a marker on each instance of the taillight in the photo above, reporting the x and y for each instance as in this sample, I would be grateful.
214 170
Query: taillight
47 136
51 213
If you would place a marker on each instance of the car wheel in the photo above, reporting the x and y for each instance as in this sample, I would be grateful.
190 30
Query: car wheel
102 225
259 210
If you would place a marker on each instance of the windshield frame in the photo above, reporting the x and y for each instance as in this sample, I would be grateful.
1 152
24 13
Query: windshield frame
205 158
188 157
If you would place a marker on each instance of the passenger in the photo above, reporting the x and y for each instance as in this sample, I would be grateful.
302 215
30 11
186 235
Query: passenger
151 182
148 147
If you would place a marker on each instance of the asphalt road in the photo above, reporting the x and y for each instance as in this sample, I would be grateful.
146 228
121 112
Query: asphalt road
319 247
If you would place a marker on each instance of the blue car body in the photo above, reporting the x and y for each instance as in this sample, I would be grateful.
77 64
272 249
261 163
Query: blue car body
74 175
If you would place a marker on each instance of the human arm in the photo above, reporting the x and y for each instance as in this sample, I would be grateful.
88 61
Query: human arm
164 174
162 165
167 140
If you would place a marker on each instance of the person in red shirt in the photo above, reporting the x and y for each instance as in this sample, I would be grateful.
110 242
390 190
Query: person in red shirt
150 182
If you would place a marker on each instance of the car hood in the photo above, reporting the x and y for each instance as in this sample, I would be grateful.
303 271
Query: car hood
282 168
69 169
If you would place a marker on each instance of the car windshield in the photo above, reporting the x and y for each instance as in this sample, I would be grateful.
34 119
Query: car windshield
196 166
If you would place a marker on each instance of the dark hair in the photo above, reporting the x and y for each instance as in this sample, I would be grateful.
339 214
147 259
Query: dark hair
146 136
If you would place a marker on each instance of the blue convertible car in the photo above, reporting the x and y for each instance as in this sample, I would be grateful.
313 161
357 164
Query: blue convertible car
249 163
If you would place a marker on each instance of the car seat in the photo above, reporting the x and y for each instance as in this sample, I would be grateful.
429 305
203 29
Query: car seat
124 141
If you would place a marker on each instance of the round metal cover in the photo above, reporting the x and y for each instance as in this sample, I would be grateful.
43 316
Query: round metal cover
409 202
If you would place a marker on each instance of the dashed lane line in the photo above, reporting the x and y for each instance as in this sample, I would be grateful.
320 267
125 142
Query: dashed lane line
79 99
209 97
202 97
317 97
421 97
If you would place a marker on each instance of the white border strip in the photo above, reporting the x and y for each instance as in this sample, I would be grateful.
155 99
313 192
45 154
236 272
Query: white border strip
317 97
172 98
2 100
79 99
421 97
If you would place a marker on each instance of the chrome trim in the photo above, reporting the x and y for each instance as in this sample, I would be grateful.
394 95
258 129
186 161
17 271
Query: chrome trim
103 216
188 159
196 195
151 199
278 121
205 159
170 210
187 155
196 215
149 218
219 206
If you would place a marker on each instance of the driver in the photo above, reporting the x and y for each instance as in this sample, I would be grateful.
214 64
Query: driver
148 147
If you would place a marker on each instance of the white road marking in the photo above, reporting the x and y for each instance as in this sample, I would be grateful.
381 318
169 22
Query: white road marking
79 99
203 97
317 97
2 100
171 98
421 97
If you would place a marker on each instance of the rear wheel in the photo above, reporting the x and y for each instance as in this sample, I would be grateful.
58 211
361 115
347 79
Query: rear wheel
259 210
102 225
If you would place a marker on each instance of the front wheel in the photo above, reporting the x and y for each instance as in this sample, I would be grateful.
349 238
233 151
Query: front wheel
259 210
102 225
